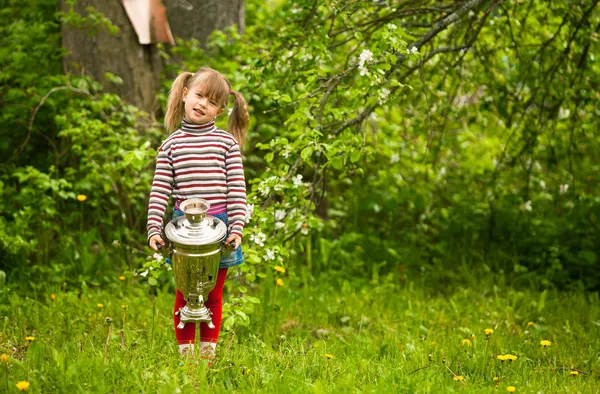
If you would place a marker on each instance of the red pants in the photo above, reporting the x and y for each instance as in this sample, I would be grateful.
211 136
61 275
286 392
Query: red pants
214 303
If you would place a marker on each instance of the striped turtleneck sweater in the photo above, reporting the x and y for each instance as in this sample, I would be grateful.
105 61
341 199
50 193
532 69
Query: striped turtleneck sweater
199 161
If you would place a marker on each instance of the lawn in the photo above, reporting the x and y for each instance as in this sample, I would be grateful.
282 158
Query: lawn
309 336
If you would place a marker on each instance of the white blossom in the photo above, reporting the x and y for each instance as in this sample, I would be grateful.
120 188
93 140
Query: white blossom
383 94
395 158
258 239
279 215
526 206
564 188
363 71
563 113
269 254
412 51
542 184
279 225
143 274
391 26
157 256
249 212
365 57
297 180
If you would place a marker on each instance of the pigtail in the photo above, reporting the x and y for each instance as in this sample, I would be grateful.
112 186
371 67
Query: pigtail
175 105
238 120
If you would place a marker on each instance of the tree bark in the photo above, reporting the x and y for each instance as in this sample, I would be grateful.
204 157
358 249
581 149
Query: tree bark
138 65
198 19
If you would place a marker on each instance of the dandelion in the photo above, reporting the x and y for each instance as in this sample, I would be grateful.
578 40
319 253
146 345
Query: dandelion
496 379
81 197
466 342
124 307
30 338
279 268
459 378
488 331
52 297
279 282
100 306
574 373
545 343
121 277
511 389
329 356
434 343
502 357
22 386
4 357
530 323
511 357
108 320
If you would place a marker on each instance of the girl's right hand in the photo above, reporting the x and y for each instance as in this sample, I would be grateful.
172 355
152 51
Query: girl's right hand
154 241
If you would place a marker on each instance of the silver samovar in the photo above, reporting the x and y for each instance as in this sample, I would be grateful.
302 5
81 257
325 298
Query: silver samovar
196 244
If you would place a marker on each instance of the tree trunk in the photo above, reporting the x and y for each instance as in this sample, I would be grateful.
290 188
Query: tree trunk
199 18
138 65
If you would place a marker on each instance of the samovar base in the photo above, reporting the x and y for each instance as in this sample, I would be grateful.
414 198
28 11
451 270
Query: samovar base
194 313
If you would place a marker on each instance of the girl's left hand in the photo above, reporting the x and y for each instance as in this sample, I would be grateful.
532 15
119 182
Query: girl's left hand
236 239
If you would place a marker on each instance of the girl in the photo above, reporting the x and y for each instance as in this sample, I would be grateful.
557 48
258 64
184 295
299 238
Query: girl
201 161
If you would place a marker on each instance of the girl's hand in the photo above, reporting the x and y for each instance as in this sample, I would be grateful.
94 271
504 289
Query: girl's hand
236 239
154 241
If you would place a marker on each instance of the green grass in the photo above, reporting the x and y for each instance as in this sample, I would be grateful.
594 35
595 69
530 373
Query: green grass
312 338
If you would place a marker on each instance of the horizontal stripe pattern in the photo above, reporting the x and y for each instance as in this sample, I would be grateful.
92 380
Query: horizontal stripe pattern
199 161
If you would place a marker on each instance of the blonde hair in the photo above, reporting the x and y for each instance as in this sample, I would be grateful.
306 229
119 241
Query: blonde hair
217 88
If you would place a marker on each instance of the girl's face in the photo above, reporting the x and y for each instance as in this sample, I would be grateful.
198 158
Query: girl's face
199 108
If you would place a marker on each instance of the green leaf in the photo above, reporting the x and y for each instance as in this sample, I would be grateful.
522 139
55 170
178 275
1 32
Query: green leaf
355 155
307 153
152 281
337 163
269 157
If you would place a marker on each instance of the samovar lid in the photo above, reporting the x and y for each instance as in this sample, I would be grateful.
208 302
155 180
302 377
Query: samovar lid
195 228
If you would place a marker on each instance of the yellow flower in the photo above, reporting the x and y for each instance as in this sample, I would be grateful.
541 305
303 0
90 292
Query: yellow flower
30 338
529 323
100 306
502 357
570 373
121 277
124 307
279 269
433 343
52 297
465 342
496 379
279 282
329 356
459 378
545 343
81 197
488 331
511 389
4 357
511 357
22 386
